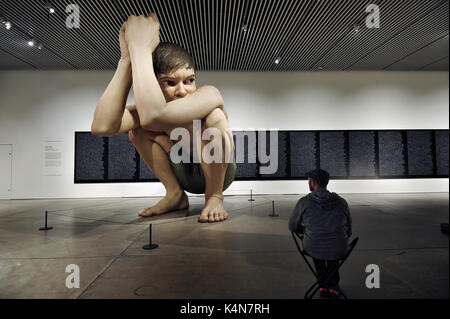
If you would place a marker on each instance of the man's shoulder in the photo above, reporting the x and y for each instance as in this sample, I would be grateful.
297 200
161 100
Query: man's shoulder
306 198
342 199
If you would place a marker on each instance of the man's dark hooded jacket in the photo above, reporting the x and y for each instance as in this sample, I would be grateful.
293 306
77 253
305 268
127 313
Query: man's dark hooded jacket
324 219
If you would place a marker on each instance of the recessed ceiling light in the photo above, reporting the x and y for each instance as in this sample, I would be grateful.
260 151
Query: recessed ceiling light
40 46
49 7
356 27
32 42
8 25
277 60
244 28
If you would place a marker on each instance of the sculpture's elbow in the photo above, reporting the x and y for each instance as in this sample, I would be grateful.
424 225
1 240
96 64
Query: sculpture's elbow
216 93
95 130
219 98
102 131
151 121
147 122
153 124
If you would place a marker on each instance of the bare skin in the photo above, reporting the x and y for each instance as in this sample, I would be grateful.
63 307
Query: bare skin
153 148
171 202
162 104
213 211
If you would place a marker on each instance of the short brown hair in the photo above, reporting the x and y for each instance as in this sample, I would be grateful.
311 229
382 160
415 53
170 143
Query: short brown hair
169 57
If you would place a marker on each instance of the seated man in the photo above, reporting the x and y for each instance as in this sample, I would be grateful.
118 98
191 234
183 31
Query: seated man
163 78
324 219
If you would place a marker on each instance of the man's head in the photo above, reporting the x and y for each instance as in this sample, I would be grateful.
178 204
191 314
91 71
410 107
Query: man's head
175 70
318 179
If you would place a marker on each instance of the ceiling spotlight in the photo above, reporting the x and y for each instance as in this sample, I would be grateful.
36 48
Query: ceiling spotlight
49 7
32 42
356 27
244 28
2 20
277 60
40 46
8 25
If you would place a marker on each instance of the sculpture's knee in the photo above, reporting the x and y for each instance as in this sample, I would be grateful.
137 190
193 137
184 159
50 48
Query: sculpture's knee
140 136
217 121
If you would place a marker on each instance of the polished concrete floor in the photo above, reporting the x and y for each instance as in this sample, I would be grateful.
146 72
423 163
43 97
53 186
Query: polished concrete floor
251 255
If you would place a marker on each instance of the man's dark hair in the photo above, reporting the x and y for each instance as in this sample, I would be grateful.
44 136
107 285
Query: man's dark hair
320 176
169 57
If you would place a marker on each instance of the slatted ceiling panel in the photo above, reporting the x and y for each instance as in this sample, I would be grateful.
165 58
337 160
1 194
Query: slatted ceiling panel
228 33
424 55
296 47
217 43
427 25
13 42
203 57
306 34
109 28
266 41
399 39
221 39
278 39
183 22
346 44
75 43
87 50
441 64
250 35
234 35
282 23
353 46
317 39
210 32
26 31
9 62
52 32
256 10
194 19
300 47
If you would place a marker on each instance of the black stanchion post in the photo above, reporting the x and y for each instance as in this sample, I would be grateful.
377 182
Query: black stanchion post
45 227
251 196
273 210
150 245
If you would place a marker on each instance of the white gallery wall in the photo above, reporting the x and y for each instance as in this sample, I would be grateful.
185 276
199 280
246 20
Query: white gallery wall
38 107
